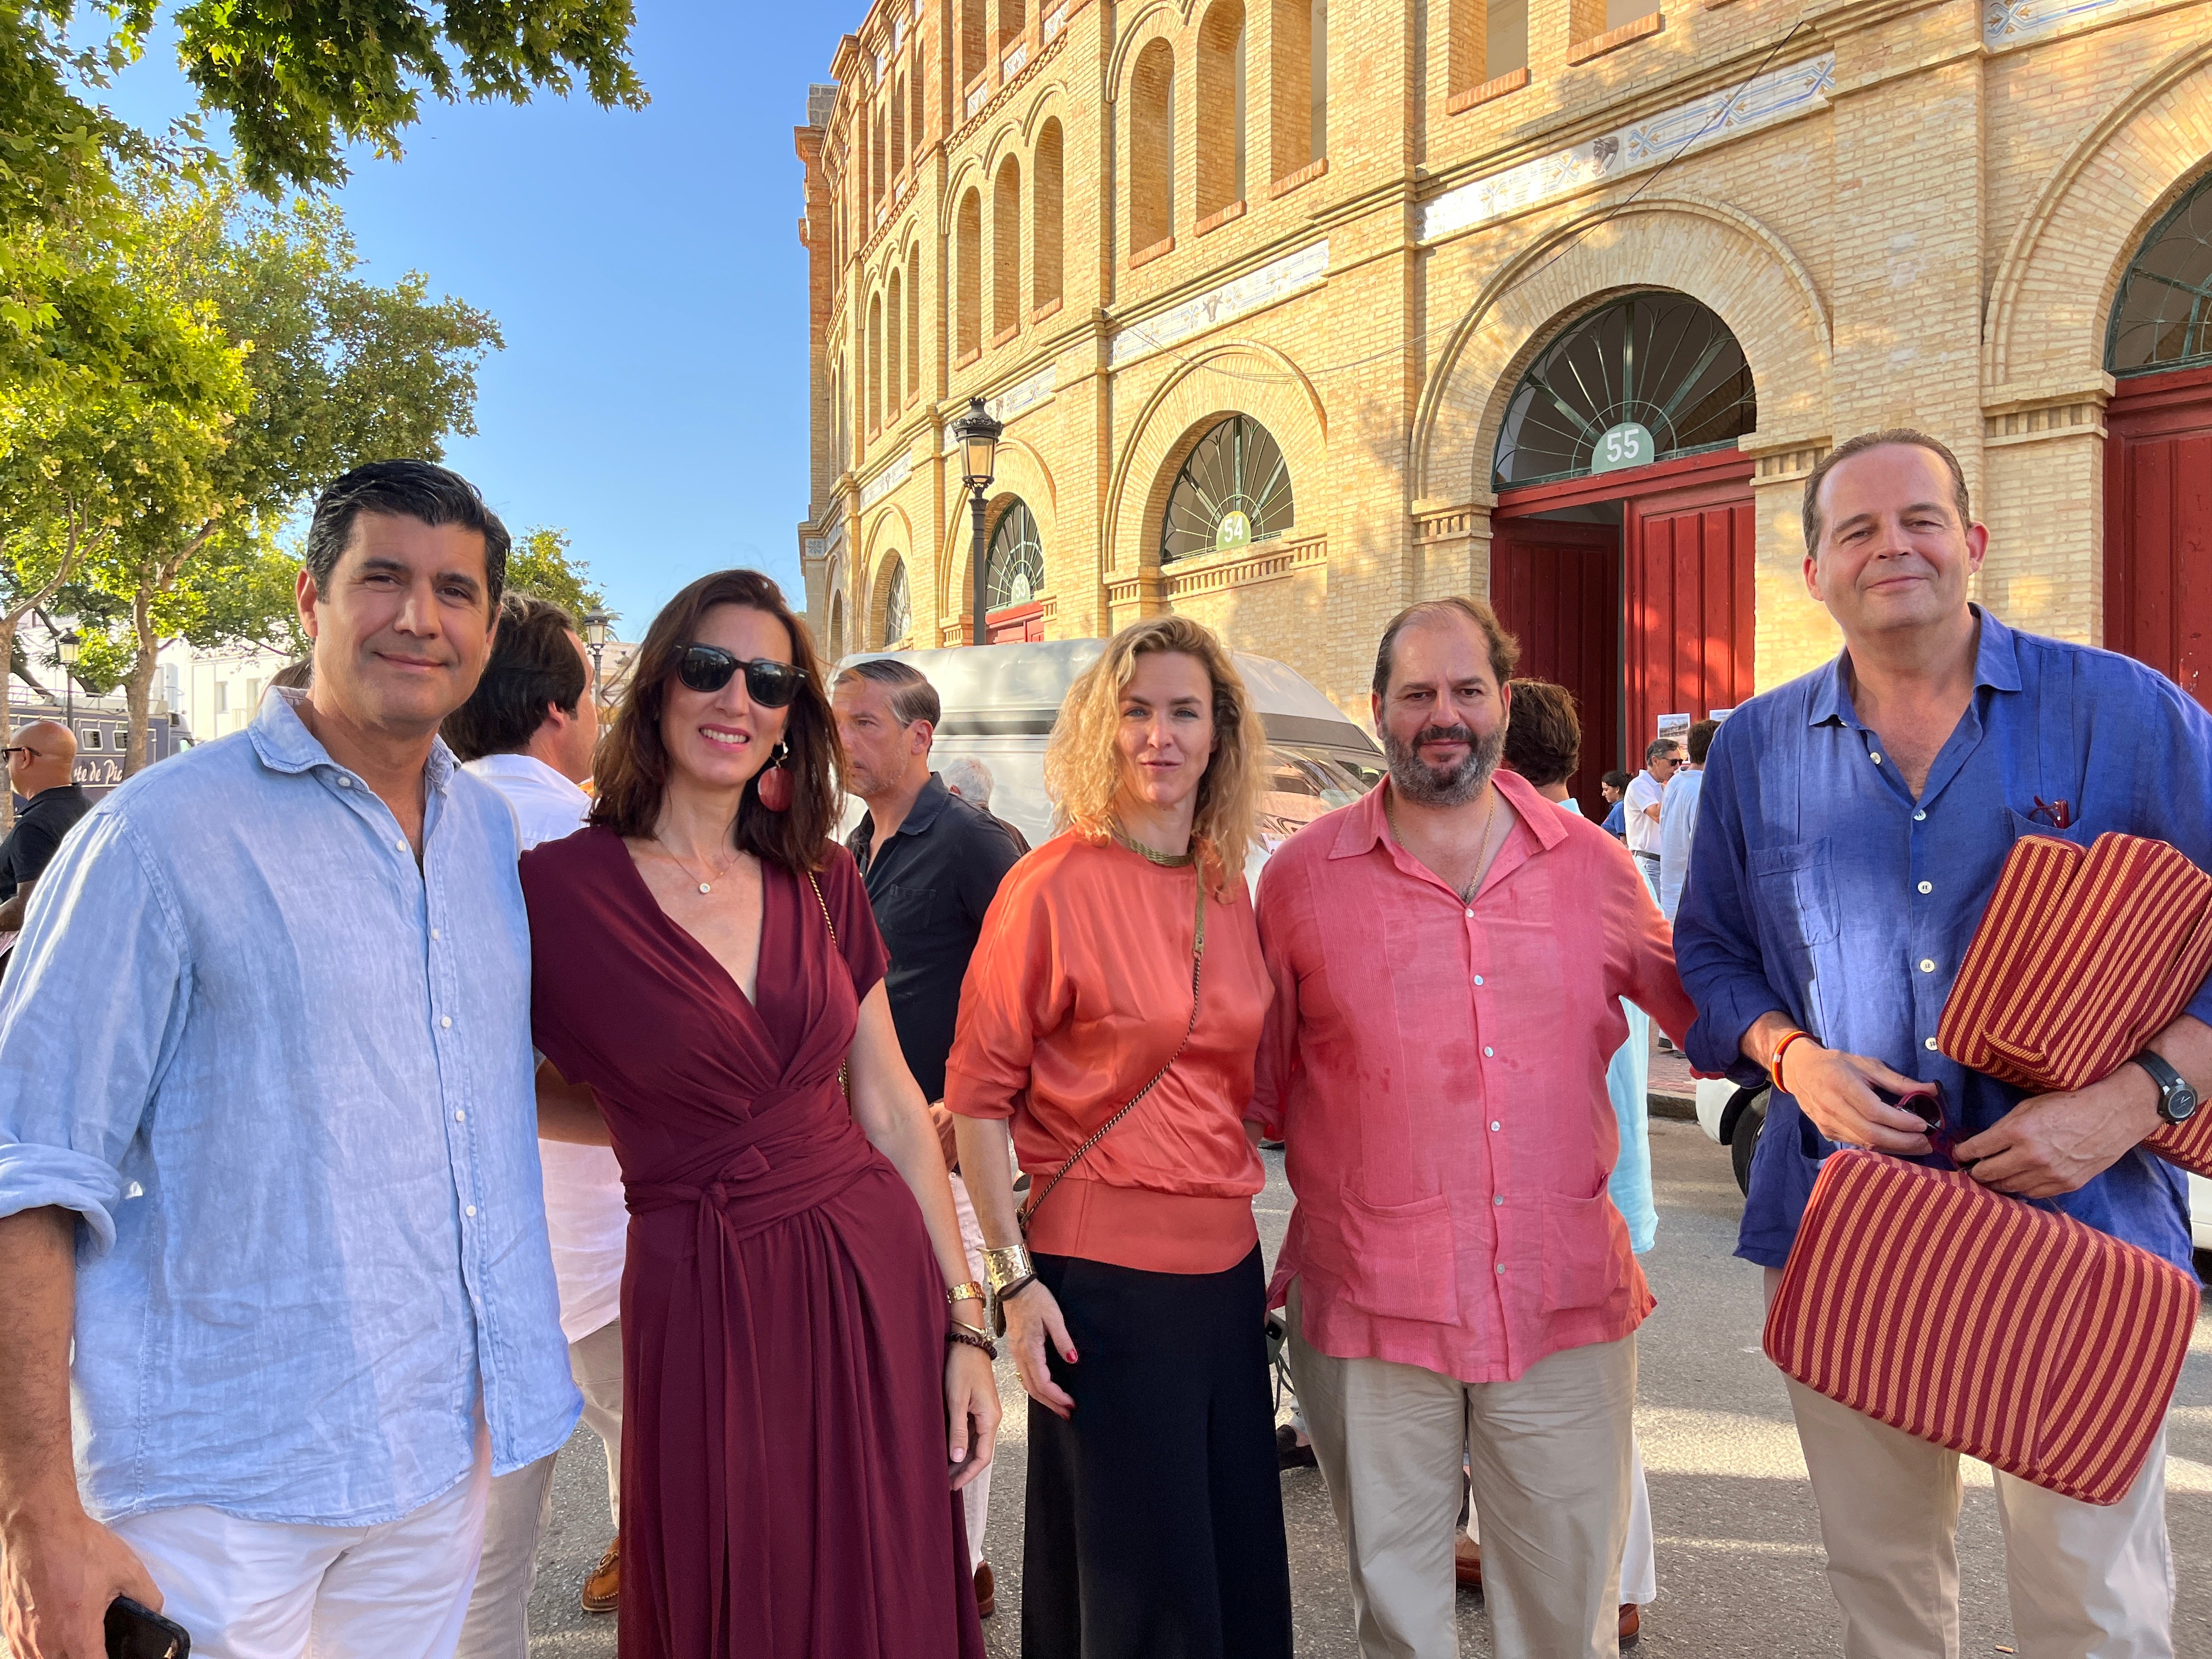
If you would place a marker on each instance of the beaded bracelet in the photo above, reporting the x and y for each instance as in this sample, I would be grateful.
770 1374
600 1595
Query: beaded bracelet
962 1332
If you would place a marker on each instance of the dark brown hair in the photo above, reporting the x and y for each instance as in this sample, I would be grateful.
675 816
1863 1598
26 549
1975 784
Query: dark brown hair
630 774
1858 446
1543 733
1505 649
1701 740
534 662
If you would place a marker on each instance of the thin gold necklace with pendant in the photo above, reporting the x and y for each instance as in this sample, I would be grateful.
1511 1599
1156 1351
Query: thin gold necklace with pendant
1482 852
704 886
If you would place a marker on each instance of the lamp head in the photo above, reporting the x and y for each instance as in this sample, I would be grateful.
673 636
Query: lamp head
67 646
977 435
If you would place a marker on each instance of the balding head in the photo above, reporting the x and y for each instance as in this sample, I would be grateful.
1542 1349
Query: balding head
40 755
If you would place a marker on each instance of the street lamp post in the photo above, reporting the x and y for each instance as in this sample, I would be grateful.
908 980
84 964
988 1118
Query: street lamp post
977 435
596 623
67 647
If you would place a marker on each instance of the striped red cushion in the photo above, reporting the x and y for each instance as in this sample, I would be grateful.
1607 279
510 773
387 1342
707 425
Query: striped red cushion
1982 1323
2081 957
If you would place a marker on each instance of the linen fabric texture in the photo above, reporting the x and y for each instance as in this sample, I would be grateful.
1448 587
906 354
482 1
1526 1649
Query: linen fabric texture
785 1488
1078 991
1438 1070
1821 888
283 1077
2081 959
1982 1323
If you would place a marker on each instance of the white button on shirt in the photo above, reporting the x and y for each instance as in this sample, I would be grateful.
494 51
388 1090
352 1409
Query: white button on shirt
444 1021
1927 886
1927 966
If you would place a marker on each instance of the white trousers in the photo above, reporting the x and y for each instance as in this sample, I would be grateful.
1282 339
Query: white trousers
498 1625
1550 1455
274 1589
1639 1560
2085 1583
975 1496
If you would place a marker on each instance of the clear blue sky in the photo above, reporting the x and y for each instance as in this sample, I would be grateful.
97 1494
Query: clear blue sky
644 268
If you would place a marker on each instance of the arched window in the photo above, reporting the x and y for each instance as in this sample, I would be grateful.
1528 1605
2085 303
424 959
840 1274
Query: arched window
1297 104
1014 568
1045 216
898 608
1006 248
1221 108
836 626
1646 378
1489 38
917 81
913 320
969 234
894 320
882 179
2162 318
874 392
1010 22
1234 490
974 49
1152 147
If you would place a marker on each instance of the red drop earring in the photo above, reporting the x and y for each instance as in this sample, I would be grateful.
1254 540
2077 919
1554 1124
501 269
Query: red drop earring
775 782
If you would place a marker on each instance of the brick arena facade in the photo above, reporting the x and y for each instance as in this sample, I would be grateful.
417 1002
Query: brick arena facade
1427 249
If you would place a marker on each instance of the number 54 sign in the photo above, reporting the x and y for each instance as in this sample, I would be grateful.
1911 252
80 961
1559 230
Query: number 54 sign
1626 445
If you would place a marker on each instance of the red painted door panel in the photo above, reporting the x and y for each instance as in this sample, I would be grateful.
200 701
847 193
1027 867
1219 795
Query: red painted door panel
1557 588
1690 554
1017 625
2158 525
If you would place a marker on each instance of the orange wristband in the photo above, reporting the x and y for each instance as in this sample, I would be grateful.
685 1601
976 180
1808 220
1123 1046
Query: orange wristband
1780 1049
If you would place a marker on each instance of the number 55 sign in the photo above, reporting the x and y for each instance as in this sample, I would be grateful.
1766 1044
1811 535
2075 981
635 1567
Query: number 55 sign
1626 445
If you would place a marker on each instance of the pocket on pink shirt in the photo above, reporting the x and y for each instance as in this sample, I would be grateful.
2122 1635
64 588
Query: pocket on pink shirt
1401 1259
1585 1246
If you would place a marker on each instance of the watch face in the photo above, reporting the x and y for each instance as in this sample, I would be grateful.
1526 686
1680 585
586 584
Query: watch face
2181 1103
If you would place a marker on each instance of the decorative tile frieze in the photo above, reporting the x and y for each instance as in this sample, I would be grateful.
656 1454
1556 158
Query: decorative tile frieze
1056 19
1272 281
1021 398
1015 60
2022 22
886 481
1777 96
978 95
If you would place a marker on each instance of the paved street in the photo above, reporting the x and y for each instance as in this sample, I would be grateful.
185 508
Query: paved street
1740 1564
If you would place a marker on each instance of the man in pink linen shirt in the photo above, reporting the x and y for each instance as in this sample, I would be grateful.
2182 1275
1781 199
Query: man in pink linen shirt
1449 953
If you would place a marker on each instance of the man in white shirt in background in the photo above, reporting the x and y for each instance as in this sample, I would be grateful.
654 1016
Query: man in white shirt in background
1646 791
1678 819
529 730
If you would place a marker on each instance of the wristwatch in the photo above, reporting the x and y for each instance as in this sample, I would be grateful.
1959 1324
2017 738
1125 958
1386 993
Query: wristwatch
2176 1101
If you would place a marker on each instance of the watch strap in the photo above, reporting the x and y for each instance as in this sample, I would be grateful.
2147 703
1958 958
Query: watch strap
2170 1083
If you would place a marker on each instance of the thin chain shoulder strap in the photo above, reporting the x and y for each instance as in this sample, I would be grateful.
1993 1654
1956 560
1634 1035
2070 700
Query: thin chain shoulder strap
1197 962
844 1066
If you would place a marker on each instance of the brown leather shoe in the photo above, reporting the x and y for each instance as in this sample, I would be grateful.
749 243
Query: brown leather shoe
1631 1623
1466 1562
987 1591
603 1590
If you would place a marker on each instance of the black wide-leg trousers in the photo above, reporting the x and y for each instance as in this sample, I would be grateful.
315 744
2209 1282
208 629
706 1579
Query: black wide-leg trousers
1154 1523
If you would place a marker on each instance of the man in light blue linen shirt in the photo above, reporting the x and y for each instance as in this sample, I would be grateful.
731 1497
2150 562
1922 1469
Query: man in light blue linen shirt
268 1148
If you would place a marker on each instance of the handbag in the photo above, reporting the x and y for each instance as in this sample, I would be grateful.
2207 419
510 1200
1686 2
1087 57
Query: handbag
1982 1323
2081 957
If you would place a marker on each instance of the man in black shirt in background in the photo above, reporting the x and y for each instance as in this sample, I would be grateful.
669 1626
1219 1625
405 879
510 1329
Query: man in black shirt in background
933 864
41 764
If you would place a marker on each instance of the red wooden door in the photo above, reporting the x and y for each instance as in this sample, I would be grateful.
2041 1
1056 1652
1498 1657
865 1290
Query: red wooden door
1690 554
2158 524
1017 625
1556 586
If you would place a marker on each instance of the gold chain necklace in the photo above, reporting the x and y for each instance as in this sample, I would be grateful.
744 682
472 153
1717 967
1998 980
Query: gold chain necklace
1166 860
704 886
1482 852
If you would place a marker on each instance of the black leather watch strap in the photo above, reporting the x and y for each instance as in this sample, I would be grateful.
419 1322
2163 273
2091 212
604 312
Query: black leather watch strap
2177 1100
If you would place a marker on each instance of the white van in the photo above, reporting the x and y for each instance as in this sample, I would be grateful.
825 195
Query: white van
1000 703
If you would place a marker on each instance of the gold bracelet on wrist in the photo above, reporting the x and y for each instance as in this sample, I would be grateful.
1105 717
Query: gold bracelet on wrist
1003 1266
970 1292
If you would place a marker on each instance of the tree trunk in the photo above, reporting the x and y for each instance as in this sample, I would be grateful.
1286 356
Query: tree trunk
7 723
138 686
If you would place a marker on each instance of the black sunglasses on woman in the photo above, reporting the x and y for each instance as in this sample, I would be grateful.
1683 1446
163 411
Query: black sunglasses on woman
708 668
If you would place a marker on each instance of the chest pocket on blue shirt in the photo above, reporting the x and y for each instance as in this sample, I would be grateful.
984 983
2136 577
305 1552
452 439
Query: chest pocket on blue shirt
1796 896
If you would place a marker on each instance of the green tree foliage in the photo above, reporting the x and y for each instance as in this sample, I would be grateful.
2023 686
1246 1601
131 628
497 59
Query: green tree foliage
540 562
338 371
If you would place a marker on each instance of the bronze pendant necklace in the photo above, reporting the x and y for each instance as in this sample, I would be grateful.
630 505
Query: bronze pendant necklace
1482 851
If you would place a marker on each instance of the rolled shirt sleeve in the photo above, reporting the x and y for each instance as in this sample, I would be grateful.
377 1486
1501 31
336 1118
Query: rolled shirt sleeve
89 1016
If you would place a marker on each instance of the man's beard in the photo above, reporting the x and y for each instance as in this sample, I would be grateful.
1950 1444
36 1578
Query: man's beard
1425 784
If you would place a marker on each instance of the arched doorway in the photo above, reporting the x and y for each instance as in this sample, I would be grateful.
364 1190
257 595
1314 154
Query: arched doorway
1014 577
1233 489
1622 547
898 604
2157 451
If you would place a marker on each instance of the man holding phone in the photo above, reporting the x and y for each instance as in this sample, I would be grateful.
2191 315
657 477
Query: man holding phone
268 1148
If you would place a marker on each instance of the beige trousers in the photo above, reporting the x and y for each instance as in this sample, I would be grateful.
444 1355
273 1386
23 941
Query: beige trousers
2085 1583
1550 1455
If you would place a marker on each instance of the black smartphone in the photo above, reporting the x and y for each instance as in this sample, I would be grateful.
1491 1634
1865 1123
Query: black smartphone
137 1632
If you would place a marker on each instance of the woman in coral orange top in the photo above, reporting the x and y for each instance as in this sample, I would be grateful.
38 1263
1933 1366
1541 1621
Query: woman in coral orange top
1120 967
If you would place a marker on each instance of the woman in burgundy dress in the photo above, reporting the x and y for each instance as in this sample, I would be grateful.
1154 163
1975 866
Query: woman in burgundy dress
801 1404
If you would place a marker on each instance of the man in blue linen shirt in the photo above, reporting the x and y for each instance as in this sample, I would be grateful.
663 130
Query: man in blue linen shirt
268 1147
1852 828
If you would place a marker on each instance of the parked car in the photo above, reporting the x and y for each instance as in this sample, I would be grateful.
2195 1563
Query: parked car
1735 1115
1000 703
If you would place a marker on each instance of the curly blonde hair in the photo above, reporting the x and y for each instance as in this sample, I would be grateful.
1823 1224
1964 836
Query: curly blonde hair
1083 761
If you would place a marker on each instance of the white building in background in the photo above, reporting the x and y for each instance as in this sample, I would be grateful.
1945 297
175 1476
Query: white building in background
213 692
